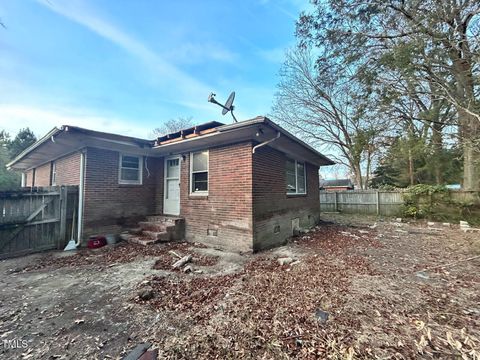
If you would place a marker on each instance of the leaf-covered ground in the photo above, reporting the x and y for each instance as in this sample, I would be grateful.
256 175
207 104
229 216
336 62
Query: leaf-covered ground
386 291
351 290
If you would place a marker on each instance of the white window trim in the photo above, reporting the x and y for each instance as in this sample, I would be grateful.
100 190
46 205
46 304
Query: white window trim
54 173
140 175
296 178
199 193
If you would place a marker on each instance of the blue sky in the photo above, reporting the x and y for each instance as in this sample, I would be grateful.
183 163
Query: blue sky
127 66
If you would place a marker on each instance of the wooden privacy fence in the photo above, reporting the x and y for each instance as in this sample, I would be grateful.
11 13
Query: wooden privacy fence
388 203
36 219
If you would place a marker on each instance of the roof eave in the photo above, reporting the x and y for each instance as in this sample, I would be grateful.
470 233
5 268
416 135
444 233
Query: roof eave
267 121
36 144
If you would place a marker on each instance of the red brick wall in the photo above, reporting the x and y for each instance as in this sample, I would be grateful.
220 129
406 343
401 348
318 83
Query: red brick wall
42 175
68 169
228 207
109 206
29 178
273 209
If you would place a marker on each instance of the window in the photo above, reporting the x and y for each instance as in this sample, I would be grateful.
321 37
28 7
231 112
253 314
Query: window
53 176
199 172
295 174
130 171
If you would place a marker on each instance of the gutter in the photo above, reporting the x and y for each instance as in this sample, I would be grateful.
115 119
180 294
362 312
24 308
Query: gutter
81 197
265 142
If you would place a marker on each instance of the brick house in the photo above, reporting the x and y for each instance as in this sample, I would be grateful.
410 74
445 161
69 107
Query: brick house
245 186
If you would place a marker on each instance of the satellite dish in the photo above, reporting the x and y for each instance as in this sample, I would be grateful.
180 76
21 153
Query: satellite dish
228 105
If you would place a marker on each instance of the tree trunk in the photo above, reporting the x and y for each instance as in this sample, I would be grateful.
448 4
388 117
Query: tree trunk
470 129
369 164
437 144
357 173
411 168
469 125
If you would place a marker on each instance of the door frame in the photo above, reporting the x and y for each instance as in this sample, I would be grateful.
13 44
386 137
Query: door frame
165 181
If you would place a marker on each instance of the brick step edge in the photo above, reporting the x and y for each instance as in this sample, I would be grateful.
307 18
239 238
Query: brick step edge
142 241
160 236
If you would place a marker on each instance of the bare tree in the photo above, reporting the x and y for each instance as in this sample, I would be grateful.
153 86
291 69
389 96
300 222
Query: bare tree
324 110
173 125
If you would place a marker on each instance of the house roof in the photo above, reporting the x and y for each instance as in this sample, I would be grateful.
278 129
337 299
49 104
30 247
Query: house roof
67 139
336 183
194 131
259 129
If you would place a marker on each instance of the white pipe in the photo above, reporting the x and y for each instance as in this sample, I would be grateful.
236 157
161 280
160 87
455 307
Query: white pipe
81 198
265 143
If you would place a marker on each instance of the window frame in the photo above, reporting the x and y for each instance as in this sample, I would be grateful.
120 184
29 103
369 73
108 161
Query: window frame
53 174
296 162
140 170
202 192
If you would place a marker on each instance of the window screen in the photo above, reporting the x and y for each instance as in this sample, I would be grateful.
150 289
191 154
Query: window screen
295 176
130 169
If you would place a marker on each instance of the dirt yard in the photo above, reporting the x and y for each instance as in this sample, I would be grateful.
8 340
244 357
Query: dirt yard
352 288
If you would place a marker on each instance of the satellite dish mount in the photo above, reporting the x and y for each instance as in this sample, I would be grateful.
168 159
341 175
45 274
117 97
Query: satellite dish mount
228 107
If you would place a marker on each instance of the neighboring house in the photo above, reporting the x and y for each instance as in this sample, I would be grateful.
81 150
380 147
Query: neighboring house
336 185
244 186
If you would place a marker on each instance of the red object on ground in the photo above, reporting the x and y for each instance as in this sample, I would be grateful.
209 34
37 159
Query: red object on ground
95 242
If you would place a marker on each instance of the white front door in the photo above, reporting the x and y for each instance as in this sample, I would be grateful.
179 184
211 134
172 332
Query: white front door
171 187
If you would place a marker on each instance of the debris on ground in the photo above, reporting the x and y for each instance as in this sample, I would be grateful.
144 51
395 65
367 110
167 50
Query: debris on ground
146 294
321 315
110 255
138 352
196 259
465 227
180 263
347 291
285 261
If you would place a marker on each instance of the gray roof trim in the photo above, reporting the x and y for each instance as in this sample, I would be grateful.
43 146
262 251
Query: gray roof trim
150 144
102 136
32 147
267 121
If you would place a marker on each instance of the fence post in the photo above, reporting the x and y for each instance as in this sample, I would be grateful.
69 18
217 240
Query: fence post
336 202
378 202
63 215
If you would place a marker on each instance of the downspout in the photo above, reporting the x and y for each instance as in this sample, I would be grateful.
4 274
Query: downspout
265 143
81 189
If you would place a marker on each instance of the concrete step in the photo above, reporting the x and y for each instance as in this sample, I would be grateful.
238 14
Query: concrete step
157 228
135 231
162 218
160 236
142 240
152 226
